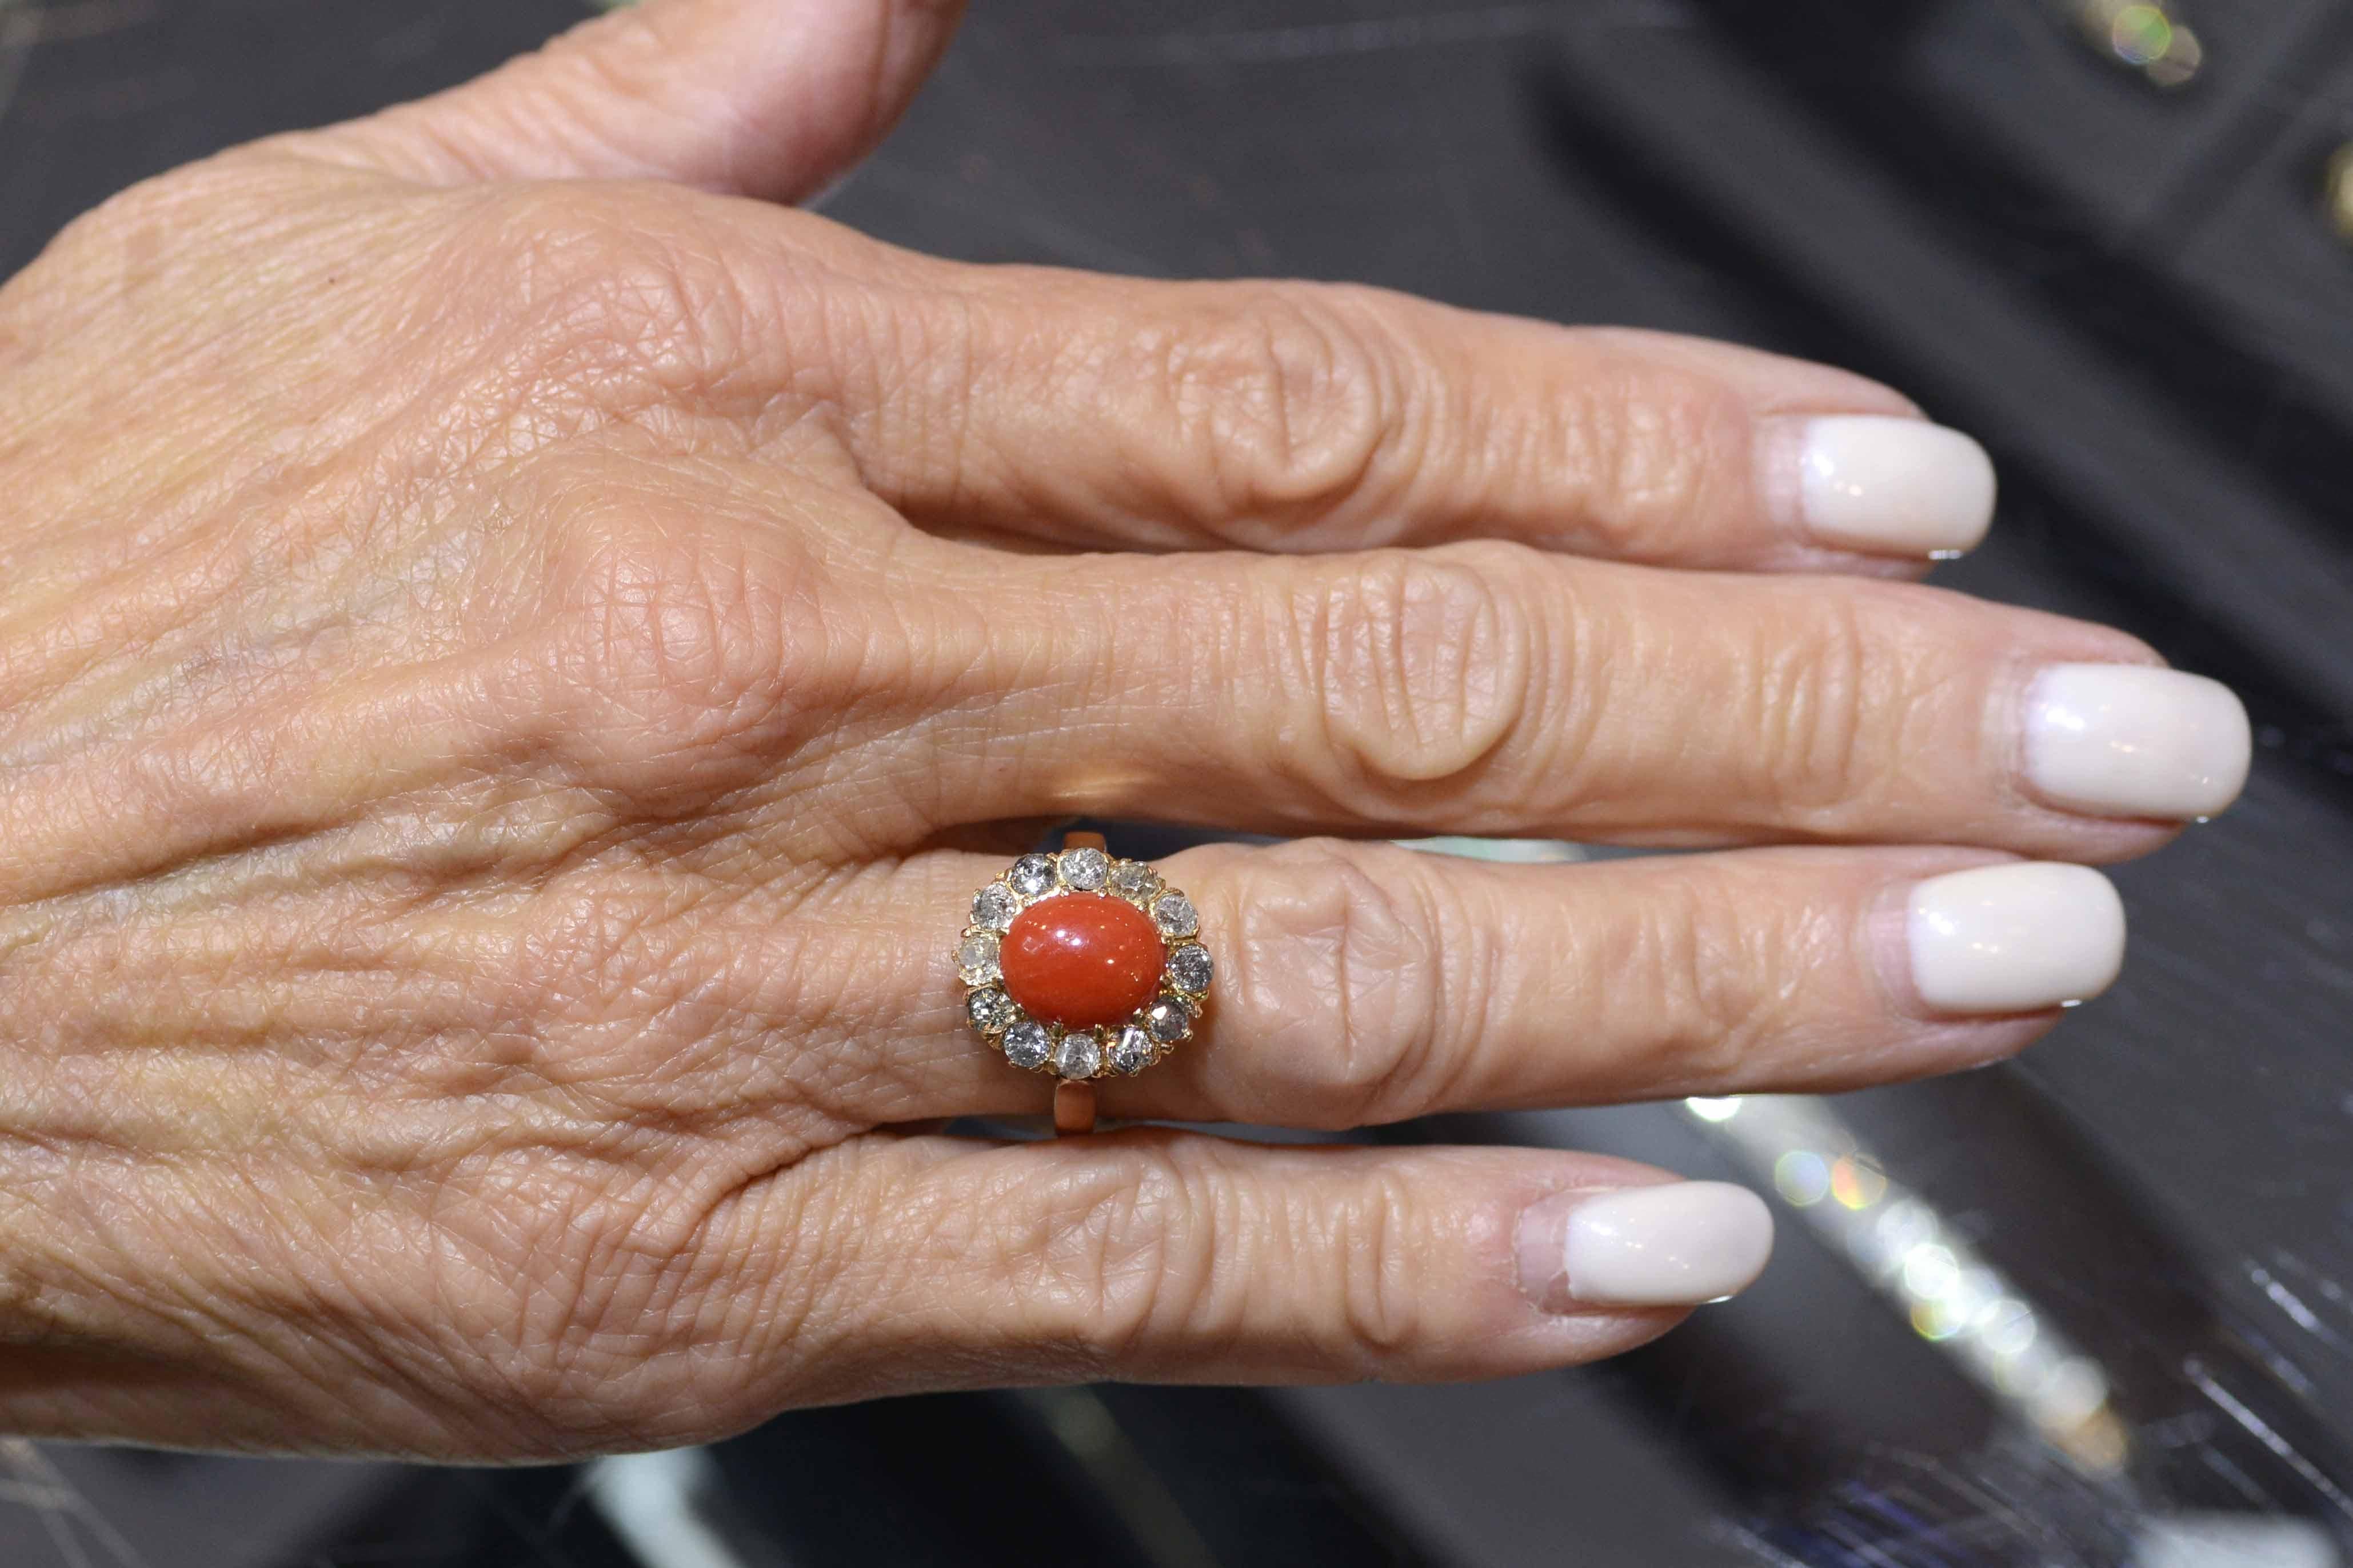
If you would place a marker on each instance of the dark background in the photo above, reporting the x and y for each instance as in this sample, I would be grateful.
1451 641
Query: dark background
2138 299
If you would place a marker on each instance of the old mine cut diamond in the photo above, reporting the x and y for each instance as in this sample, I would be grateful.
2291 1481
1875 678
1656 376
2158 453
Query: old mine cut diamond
1172 913
994 907
1169 1020
976 957
1134 882
1031 875
1189 968
990 1010
1079 1055
1131 1052
1027 1045
1084 870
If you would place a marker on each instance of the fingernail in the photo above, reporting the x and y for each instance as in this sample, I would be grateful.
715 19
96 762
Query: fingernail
1894 486
2123 740
2014 939
1675 1245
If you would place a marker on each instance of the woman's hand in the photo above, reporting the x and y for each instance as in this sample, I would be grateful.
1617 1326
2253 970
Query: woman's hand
511 666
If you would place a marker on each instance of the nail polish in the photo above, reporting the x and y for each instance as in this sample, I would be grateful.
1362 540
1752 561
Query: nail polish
2014 939
1674 1245
1894 486
2122 740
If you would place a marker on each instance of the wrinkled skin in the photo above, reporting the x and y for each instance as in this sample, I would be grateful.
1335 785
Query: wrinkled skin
518 647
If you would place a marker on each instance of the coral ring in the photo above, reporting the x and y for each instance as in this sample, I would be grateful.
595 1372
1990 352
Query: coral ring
1082 965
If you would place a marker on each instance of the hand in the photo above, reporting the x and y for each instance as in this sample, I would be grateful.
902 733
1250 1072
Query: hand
517 652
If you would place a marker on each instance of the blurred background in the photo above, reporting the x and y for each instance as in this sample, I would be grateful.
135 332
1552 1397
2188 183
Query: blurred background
2088 1308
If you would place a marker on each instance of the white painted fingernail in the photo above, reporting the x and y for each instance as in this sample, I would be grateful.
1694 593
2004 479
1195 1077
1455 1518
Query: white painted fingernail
2014 939
2123 740
1675 1245
1894 486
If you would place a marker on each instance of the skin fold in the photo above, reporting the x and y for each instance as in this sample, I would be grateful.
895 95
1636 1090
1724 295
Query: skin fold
516 647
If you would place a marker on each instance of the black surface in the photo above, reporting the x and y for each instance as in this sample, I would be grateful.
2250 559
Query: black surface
2131 295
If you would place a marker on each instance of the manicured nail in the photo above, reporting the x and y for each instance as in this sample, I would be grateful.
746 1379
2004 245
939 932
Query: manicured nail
2123 740
2014 939
1675 1245
1894 486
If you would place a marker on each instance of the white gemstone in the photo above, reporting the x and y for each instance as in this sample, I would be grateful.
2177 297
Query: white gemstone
1027 1045
994 907
1169 1020
990 1010
1190 969
1031 875
1134 880
1132 1051
976 957
1084 870
1078 1056
1172 913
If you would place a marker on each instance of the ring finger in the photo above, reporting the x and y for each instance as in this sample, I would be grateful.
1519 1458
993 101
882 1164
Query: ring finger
1360 984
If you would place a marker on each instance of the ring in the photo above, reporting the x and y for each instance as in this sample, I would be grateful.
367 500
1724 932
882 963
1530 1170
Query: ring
1081 965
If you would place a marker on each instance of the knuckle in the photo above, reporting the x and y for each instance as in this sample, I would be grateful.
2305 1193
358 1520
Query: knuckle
596 293
1141 1264
1818 674
1378 1297
1702 954
1419 666
1657 450
1293 397
681 653
1335 961
1117 1256
603 1357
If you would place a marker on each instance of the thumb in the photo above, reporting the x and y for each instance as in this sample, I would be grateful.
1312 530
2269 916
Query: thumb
772 99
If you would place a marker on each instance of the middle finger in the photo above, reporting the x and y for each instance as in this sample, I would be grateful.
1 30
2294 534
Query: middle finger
1488 687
